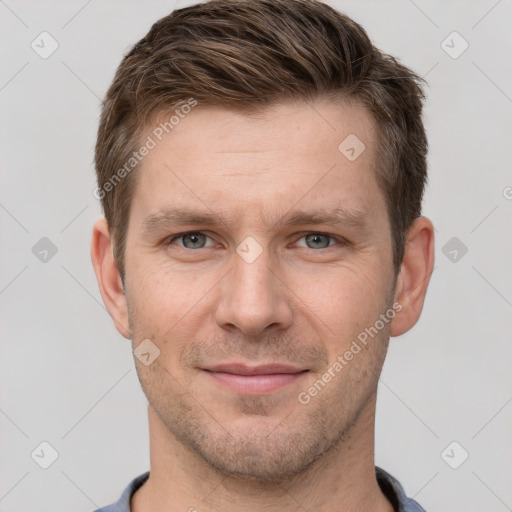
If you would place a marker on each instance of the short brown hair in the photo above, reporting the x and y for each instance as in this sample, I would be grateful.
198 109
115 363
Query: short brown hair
246 55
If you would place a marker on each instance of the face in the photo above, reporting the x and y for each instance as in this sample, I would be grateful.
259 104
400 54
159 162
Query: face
257 254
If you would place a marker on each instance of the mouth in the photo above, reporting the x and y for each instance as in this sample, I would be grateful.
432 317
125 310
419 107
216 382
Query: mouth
254 380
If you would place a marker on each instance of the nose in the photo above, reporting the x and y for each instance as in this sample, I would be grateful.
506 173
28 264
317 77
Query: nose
254 298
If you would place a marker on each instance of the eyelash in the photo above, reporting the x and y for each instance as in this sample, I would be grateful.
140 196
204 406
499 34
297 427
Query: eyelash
340 240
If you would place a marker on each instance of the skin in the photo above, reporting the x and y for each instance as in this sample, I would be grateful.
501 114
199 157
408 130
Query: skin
302 301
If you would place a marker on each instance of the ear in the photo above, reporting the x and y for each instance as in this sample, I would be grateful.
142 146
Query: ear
108 277
414 276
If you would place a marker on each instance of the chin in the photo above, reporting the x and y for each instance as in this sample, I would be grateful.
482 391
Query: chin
262 460
263 449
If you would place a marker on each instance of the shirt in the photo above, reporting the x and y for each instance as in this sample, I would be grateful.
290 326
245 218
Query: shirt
389 485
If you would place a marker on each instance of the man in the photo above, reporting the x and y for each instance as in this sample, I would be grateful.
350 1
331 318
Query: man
261 167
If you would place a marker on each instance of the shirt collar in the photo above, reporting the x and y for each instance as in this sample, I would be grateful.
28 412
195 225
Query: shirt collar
388 484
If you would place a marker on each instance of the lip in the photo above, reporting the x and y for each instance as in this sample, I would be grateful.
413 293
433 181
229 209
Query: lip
254 380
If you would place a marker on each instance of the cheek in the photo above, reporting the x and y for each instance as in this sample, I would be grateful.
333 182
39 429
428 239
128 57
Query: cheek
164 299
345 299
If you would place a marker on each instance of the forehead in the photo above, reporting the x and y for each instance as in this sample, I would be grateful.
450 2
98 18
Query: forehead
299 126
218 159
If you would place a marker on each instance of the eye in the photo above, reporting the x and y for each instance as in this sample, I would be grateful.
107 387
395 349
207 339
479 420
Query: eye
191 240
318 240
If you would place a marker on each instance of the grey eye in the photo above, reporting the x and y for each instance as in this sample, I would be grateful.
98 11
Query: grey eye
194 240
317 241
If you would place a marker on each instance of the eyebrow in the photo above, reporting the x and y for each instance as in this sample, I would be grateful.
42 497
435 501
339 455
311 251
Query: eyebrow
169 217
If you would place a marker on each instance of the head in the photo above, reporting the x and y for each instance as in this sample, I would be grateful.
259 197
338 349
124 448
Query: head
295 152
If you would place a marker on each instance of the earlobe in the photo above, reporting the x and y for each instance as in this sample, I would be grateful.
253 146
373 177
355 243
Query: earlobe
412 281
108 277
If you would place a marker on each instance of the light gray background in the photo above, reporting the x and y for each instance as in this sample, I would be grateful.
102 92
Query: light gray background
68 377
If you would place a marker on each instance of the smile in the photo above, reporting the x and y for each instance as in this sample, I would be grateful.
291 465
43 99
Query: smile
254 380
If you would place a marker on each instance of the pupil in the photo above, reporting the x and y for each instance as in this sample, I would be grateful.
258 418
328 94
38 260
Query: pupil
193 240
316 239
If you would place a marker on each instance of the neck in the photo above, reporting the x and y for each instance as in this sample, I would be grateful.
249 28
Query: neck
342 479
